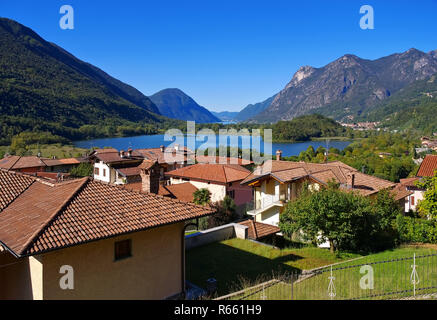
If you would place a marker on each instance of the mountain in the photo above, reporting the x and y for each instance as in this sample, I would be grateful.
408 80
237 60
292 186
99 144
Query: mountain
252 110
225 115
348 86
45 88
174 103
411 108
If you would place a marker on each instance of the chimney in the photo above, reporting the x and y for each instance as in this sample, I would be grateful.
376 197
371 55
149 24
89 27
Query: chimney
278 155
121 153
351 180
129 152
176 147
149 177
162 148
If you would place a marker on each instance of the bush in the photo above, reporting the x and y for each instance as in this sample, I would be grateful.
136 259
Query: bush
416 229
84 169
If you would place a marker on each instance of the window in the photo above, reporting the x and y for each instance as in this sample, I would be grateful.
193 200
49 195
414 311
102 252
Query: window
231 193
96 171
412 201
122 249
104 172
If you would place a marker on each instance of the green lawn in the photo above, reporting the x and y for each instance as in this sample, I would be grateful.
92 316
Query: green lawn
389 277
230 260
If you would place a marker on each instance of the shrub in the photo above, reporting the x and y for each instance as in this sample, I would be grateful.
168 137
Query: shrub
416 229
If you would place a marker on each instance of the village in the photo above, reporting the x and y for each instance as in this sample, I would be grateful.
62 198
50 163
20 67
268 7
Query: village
138 214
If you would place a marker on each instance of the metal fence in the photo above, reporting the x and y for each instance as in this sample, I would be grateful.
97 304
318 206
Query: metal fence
407 277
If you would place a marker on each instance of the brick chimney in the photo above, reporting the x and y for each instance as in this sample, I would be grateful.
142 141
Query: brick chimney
278 154
150 174
351 180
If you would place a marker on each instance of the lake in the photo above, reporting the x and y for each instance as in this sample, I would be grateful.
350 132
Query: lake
155 141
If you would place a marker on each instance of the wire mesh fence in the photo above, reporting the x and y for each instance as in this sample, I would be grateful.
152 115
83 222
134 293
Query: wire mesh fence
406 277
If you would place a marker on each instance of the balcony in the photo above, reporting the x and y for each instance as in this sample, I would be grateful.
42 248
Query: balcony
266 202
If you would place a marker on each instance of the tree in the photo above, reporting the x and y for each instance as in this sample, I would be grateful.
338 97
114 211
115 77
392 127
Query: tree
84 169
428 206
202 196
347 220
225 213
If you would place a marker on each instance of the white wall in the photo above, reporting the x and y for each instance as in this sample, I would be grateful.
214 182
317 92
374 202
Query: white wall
418 195
100 176
218 192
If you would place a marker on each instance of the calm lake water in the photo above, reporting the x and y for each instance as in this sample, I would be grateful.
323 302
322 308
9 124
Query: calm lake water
155 141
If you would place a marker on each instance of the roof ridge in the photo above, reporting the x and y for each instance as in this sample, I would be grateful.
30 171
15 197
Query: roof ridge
19 157
122 187
54 215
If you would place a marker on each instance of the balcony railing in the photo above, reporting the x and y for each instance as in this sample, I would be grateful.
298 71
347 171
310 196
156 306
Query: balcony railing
263 203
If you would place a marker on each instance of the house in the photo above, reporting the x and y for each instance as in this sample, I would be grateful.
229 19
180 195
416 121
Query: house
224 160
428 166
121 167
220 179
150 182
28 164
36 165
415 193
259 230
116 243
276 182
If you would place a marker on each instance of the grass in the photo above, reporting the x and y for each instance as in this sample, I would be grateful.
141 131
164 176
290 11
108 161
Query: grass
389 277
235 260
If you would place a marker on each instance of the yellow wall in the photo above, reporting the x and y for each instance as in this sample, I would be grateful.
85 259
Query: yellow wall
19 278
152 272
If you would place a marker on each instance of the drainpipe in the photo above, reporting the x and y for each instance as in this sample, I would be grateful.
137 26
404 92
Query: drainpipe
183 255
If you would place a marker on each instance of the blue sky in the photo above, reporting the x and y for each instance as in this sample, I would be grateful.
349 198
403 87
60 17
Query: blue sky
225 54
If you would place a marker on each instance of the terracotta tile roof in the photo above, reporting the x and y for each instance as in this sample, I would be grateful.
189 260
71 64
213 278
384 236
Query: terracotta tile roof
11 186
182 191
137 186
286 171
8 162
400 192
223 160
258 230
163 157
409 182
60 162
221 173
428 166
17 162
128 172
37 216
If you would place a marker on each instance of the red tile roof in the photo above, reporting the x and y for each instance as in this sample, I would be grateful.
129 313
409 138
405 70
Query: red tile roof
17 162
137 186
400 192
223 160
182 191
128 172
219 173
37 216
286 171
258 230
428 166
